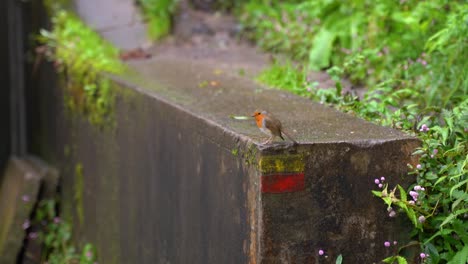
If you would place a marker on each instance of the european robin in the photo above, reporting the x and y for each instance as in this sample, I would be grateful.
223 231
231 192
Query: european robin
271 126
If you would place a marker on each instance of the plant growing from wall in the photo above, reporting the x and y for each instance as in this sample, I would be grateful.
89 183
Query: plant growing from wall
54 234
84 59
158 14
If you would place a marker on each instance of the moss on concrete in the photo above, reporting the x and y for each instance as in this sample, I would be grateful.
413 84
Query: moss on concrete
78 192
83 58
281 163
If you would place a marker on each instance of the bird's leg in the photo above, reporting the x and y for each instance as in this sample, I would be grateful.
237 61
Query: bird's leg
269 140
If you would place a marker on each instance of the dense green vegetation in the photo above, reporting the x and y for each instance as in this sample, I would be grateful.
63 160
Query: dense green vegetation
411 55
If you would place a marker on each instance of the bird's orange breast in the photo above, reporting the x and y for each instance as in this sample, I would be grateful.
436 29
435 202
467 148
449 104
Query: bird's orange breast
259 120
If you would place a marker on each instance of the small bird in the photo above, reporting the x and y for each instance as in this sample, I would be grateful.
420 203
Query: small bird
270 125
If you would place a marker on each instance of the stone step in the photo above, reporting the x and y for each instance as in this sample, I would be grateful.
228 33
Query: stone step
18 193
25 181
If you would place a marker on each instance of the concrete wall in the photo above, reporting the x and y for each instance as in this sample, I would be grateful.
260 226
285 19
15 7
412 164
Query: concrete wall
156 189
176 180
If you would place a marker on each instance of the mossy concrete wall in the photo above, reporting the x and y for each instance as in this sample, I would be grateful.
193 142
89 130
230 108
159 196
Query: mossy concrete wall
176 179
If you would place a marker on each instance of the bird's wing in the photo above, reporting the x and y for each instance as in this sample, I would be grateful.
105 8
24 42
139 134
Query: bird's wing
273 124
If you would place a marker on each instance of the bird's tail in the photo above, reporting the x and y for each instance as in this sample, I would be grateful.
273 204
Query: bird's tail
289 136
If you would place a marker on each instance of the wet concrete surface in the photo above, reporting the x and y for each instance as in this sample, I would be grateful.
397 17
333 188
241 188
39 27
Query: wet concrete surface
218 91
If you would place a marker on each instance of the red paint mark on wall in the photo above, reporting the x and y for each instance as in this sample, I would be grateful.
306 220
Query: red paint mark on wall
283 183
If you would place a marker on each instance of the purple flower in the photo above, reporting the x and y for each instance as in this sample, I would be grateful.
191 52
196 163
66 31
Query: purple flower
395 242
424 128
386 244
382 178
418 166
392 213
26 224
422 219
411 202
376 181
25 198
380 185
321 252
423 62
89 254
435 151
417 188
413 194
57 220
423 255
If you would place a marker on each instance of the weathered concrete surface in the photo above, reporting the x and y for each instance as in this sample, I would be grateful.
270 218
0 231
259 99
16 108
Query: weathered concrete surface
18 190
180 181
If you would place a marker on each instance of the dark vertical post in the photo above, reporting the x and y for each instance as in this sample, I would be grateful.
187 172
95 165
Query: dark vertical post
16 67
5 90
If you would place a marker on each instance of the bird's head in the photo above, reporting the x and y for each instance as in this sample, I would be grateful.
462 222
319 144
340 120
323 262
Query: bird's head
259 113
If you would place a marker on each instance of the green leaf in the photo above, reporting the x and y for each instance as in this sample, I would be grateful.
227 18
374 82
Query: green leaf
452 216
460 257
322 46
412 216
457 186
442 232
459 200
401 260
440 180
389 259
339 259
433 253
403 195
392 259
